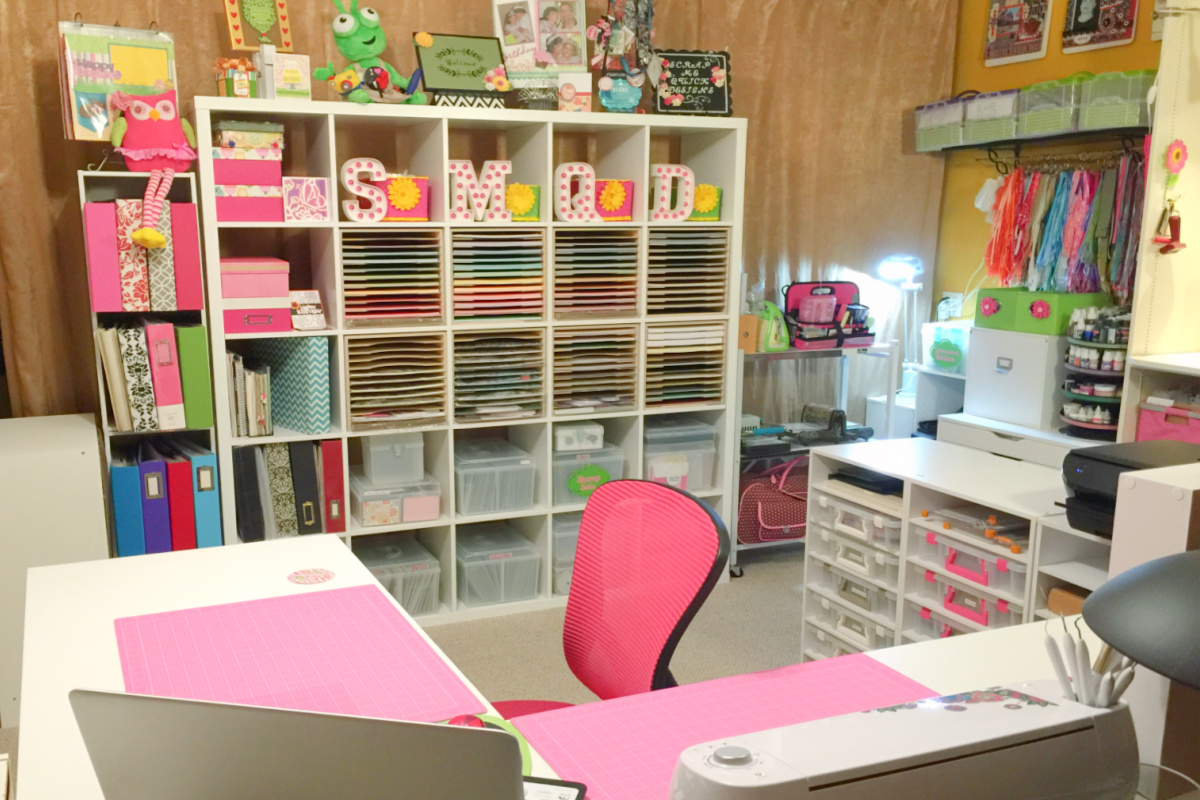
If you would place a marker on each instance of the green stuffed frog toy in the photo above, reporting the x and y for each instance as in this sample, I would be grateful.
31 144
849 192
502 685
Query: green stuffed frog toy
369 79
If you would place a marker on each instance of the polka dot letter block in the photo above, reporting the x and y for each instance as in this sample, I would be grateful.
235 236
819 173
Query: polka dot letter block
666 177
575 193
377 203
474 199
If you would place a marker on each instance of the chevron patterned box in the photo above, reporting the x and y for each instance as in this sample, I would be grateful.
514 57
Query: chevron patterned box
299 382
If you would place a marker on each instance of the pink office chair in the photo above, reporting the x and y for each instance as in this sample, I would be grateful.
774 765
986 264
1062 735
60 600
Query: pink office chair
648 557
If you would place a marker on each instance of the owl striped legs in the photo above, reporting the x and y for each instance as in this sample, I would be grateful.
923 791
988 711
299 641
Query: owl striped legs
152 203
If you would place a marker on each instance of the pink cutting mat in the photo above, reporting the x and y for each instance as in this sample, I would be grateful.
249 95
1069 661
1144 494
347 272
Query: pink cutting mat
626 749
339 651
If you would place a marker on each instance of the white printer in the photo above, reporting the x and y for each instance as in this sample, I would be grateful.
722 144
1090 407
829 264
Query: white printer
998 744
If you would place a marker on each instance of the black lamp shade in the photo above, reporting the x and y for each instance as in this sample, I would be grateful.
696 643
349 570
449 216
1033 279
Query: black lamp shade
1151 613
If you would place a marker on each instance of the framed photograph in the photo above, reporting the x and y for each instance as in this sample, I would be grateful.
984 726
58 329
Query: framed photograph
1017 30
1095 24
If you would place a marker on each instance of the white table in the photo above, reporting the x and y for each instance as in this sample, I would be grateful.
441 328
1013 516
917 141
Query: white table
70 642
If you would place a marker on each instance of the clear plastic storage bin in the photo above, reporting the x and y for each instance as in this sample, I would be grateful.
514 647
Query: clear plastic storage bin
853 590
680 452
855 557
1050 107
855 628
861 523
1116 100
922 623
577 475
573 437
496 564
493 475
394 457
1001 529
962 600
375 504
939 125
566 540
974 564
991 117
406 569
822 645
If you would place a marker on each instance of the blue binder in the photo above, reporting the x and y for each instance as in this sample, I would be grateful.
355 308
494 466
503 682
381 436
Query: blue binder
127 506
207 490
156 509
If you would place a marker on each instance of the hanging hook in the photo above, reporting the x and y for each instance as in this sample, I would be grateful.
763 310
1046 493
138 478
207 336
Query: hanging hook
997 162
79 19
153 25
97 167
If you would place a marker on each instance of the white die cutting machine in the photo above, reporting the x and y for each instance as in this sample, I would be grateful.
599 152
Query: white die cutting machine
999 744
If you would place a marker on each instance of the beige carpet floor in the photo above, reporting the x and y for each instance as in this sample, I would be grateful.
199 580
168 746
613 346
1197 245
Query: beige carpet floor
748 624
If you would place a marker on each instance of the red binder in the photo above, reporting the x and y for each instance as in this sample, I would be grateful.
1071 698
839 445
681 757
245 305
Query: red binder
333 486
182 501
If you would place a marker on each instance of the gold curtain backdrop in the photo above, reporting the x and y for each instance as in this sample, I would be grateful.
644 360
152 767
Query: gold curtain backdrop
832 185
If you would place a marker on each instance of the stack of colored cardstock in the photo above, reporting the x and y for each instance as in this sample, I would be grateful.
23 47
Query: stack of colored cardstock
595 272
498 375
498 273
391 275
255 295
248 171
688 271
396 380
685 363
595 369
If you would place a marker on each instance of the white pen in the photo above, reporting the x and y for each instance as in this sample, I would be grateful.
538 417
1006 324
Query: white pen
1068 656
1086 689
1121 684
1104 697
1060 671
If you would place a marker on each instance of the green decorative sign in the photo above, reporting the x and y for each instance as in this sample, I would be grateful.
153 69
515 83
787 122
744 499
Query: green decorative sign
946 354
459 63
586 480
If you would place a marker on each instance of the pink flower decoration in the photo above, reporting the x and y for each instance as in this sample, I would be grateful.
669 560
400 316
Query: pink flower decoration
1177 155
988 306
1040 309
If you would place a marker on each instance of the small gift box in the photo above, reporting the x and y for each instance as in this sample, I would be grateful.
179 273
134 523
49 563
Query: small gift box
707 207
523 201
236 77
614 200
407 198
252 135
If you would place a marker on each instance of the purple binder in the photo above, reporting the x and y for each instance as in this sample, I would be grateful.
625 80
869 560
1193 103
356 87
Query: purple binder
156 512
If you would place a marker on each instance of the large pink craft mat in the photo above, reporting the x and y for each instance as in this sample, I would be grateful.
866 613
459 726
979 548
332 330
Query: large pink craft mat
340 651
626 749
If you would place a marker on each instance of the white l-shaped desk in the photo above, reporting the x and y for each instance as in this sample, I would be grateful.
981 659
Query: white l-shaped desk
70 641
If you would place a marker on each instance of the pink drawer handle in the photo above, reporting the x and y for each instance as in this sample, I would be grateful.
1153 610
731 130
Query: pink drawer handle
931 537
947 631
980 577
1001 565
975 616
926 613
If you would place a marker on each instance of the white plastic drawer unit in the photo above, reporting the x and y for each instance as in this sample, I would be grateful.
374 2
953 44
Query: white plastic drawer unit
861 523
1015 377
856 628
856 557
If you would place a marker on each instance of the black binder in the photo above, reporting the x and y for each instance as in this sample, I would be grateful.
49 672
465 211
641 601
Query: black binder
246 496
306 486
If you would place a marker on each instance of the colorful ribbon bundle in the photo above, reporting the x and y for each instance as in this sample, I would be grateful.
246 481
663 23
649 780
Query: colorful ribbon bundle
1067 229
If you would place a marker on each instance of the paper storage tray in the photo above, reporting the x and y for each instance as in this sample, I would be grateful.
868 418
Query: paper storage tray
854 590
496 564
406 569
684 466
668 430
856 557
922 622
822 645
981 521
963 600
566 540
577 475
493 475
991 117
855 628
394 457
974 564
861 523
376 504
939 125
1050 107
1116 100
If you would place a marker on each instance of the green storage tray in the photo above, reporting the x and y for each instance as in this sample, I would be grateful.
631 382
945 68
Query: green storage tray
1057 310
997 308
933 139
978 131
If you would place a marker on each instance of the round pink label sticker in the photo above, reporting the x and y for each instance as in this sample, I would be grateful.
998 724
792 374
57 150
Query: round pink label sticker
307 577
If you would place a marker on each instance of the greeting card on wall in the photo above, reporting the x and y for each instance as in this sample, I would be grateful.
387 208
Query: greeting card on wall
694 83
95 61
463 71
255 22
1092 24
1017 30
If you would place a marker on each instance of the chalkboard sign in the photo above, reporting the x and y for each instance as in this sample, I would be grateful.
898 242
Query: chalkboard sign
694 83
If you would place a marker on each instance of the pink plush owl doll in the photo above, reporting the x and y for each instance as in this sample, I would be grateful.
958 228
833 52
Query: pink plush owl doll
155 139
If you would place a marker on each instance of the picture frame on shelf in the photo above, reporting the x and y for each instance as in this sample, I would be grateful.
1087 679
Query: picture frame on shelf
463 71
694 82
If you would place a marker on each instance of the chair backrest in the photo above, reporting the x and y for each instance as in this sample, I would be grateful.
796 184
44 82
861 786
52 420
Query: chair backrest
647 559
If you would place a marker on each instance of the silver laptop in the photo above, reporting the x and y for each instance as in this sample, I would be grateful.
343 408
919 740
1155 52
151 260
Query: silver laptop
151 748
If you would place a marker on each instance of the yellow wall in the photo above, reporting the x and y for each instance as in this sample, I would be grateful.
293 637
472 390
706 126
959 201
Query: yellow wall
963 233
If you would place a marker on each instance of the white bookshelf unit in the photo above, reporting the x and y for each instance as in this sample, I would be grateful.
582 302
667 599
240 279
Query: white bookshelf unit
320 136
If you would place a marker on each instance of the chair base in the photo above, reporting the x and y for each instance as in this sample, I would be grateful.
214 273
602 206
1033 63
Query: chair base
522 708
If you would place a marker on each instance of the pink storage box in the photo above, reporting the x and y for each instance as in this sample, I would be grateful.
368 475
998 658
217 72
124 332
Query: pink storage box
622 214
1169 423
258 320
243 171
249 209
254 284
240 264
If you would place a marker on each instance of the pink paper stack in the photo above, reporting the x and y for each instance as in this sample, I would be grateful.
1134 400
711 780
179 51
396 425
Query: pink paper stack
254 294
